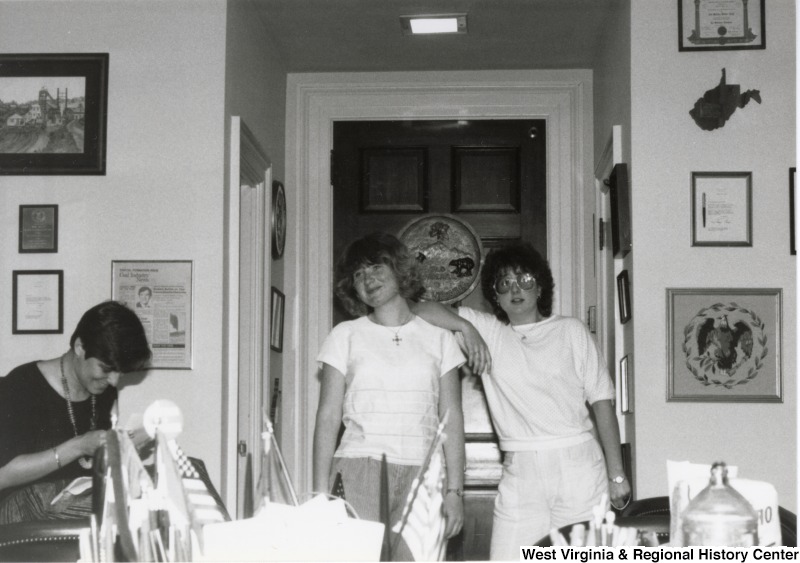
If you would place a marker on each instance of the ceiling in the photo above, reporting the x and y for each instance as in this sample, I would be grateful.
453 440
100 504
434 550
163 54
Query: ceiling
365 35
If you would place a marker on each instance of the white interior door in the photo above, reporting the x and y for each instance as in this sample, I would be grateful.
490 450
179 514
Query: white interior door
249 325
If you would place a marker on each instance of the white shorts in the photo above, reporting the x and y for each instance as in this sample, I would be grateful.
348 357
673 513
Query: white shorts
545 489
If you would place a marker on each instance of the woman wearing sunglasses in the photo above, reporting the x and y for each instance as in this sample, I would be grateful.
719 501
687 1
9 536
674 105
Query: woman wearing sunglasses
544 370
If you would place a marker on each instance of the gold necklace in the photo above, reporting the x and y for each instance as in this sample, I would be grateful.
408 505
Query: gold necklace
84 461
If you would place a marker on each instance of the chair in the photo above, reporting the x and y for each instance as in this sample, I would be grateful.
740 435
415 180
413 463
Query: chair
656 511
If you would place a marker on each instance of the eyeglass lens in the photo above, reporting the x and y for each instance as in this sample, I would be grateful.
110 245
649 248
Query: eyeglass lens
524 281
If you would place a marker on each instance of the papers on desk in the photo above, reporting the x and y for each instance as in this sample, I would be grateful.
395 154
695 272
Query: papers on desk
318 530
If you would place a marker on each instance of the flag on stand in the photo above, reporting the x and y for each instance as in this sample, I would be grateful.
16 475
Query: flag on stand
423 523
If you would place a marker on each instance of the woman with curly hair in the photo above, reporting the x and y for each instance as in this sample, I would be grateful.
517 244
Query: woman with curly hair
544 370
390 377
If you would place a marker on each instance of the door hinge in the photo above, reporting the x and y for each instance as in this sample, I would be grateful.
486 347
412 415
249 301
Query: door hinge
601 234
242 448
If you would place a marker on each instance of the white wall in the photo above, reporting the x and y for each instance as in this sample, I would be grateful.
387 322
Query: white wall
161 197
666 147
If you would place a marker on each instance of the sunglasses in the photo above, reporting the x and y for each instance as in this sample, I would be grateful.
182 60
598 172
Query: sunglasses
524 281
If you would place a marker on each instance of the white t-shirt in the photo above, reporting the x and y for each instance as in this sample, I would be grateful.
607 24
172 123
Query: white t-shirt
542 376
391 402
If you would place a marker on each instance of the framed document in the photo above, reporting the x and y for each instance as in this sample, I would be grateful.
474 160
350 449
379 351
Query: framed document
38 228
717 25
722 213
38 302
160 293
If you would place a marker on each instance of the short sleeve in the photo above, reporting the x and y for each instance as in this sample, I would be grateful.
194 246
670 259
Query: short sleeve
335 349
597 382
452 357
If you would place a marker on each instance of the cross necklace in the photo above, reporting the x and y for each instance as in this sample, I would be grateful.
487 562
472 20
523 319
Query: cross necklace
397 340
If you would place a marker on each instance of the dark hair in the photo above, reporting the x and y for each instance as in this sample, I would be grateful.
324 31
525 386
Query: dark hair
518 257
113 334
147 289
375 248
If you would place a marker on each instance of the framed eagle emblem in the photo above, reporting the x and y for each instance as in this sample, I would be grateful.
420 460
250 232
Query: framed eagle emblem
724 345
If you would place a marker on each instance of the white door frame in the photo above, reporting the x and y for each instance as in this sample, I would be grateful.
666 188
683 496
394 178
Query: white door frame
315 101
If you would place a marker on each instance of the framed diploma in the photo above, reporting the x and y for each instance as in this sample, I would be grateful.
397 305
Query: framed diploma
722 210
38 302
160 293
38 228
718 25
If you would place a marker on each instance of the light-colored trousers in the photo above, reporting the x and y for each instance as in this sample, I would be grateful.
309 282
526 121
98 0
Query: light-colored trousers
545 489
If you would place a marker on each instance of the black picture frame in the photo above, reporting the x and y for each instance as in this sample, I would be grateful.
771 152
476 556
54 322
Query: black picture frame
625 386
278 219
624 296
62 132
792 200
276 320
38 229
722 208
702 26
619 190
37 302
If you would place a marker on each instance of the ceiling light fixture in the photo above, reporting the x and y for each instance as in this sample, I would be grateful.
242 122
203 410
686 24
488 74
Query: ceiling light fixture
435 23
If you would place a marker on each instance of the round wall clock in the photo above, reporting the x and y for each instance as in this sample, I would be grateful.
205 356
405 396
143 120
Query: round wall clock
278 219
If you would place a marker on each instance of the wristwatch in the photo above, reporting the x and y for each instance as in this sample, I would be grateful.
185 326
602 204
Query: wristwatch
618 479
458 492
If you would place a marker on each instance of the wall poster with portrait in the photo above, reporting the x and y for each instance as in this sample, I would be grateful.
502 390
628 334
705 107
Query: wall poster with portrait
160 292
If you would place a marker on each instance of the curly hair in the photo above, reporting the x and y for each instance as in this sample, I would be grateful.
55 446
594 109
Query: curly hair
375 248
516 257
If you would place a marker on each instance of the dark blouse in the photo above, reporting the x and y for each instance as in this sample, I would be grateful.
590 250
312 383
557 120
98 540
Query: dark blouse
34 418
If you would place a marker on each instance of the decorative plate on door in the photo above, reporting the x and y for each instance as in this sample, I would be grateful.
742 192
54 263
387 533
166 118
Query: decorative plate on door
449 253
278 219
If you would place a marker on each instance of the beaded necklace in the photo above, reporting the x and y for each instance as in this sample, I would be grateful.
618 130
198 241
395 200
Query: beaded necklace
84 461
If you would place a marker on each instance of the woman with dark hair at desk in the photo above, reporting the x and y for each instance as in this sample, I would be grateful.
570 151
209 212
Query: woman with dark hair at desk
54 413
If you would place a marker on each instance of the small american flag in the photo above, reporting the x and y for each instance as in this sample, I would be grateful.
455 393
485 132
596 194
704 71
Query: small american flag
423 522
338 486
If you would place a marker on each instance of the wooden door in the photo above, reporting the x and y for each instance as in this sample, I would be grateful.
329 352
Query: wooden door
489 173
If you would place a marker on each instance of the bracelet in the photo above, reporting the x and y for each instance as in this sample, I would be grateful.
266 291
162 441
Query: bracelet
458 492
58 459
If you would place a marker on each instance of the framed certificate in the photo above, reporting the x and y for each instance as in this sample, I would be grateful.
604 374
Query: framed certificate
722 213
718 25
38 228
38 302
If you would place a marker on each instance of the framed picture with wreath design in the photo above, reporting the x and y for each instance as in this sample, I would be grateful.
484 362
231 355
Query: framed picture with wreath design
724 345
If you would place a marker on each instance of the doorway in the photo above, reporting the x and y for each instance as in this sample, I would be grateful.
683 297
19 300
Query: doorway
316 101
490 174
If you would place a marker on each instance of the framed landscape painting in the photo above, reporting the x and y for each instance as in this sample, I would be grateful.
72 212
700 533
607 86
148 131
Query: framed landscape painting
53 113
